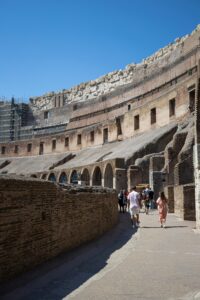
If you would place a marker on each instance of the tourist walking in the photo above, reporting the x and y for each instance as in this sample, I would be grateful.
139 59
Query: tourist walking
125 195
146 200
162 205
121 201
151 198
134 206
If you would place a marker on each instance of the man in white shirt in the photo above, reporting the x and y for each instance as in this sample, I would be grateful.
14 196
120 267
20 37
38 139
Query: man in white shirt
134 206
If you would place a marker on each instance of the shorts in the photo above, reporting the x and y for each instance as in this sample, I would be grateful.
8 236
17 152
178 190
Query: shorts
134 211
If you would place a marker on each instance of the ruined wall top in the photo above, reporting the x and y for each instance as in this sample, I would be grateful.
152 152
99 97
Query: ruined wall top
109 82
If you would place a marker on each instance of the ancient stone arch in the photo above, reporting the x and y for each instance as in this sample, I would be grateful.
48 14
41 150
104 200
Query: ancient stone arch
52 177
44 176
63 177
97 176
108 176
33 175
85 176
74 177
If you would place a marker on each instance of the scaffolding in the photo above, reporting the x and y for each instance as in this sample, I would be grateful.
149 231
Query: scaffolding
13 117
18 123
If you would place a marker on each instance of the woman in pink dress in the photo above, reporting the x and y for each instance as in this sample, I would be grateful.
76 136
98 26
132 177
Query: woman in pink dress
162 205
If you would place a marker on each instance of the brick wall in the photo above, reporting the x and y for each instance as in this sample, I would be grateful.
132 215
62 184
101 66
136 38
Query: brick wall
157 163
184 201
39 220
181 176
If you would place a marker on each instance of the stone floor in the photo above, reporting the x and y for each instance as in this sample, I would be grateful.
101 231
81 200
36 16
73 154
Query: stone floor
150 263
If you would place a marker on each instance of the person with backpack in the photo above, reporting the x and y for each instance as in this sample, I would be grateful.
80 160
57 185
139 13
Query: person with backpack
121 201
151 199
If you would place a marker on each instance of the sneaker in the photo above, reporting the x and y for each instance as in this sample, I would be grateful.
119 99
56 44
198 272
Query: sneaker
164 226
133 226
137 224
161 225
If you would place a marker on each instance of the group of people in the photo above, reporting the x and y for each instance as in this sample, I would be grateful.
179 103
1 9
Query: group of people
133 202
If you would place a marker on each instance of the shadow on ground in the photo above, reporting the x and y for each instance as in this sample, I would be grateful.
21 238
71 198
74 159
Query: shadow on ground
57 278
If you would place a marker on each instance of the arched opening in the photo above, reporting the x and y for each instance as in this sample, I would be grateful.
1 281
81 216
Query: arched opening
85 177
96 178
44 176
74 177
52 177
108 176
33 176
63 178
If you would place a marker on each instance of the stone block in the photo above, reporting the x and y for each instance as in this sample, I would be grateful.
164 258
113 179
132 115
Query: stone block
184 202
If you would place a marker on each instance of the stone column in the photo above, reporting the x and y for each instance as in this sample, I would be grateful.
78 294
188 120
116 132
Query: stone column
120 179
114 182
102 182
134 175
169 192
196 153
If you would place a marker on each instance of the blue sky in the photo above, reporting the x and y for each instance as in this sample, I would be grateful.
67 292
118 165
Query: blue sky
50 45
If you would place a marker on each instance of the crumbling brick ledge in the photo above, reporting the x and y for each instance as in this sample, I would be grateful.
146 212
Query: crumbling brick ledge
39 220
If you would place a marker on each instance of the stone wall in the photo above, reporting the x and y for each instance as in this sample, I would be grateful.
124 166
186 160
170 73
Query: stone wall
39 220
184 199
169 192
133 73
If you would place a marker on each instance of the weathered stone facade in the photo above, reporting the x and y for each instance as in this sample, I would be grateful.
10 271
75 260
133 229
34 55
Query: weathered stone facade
132 126
133 73
39 220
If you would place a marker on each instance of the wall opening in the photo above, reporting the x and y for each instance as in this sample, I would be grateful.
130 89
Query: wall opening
3 150
74 177
92 136
79 139
44 176
16 150
105 135
67 141
46 115
52 177
85 177
63 178
41 149
33 176
75 107
108 176
53 144
153 115
96 178
129 106
29 147
172 105
192 100
119 127
136 122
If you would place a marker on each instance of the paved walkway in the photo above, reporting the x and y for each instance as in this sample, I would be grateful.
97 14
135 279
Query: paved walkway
150 263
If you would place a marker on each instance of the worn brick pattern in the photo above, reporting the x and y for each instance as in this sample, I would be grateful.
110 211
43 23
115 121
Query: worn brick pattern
184 197
169 192
184 172
39 220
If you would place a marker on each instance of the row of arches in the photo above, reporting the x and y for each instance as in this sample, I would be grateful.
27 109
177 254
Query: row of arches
96 177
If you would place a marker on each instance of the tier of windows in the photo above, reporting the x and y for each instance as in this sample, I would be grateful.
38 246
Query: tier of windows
153 120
